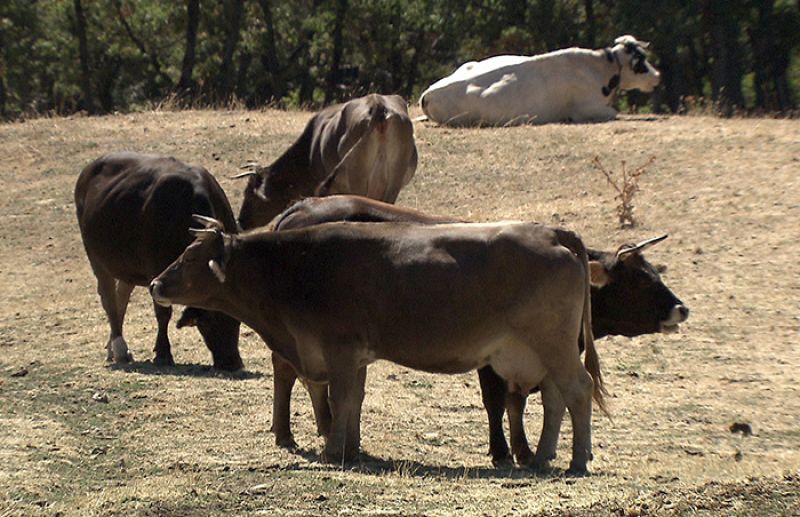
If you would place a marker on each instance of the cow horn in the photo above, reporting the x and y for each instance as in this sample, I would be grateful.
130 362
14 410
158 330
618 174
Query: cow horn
640 246
243 175
209 223
201 232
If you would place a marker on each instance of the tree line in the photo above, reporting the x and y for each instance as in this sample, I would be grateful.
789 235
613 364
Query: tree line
101 56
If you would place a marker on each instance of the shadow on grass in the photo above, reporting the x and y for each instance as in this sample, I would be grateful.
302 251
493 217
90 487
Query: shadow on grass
184 370
368 464
376 466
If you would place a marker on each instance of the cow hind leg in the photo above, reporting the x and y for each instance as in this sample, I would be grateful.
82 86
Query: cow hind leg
576 390
493 391
283 381
163 349
345 396
116 347
554 409
515 405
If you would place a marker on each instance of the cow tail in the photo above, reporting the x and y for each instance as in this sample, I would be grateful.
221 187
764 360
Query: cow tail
592 359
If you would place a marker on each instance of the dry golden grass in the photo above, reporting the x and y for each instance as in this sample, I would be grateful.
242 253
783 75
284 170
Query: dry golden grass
190 441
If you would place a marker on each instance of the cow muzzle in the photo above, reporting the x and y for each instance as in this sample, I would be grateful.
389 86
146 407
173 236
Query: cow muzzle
155 291
677 315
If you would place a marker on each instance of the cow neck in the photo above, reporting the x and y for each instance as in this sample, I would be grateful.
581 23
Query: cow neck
610 90
295 162
247 296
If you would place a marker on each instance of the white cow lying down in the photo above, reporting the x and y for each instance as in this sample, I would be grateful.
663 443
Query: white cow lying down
573 84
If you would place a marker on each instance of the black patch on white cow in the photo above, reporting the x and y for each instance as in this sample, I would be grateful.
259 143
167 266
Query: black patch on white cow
612 85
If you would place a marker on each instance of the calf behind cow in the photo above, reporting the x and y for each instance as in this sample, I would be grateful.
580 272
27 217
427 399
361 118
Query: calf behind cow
574 84
628 298
134 211
451 298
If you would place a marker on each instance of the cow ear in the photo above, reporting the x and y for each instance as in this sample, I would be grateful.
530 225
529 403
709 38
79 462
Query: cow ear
598 274
218 270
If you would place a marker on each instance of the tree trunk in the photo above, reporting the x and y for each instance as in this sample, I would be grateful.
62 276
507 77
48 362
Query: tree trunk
591 23
270 58
87 101
726 72
3 94
413 67
336 60
516 13
234 23
3 97
241 77
151 56
185 84
307 84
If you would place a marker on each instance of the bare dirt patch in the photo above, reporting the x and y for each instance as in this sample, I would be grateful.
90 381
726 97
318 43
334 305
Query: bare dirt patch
189 441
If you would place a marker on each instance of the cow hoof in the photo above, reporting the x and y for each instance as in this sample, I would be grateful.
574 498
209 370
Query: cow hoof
504 462
164 360
525 457
539 466
229 365
118 351
334 457
577 471
286 442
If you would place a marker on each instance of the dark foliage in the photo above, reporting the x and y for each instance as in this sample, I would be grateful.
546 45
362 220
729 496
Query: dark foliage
63 56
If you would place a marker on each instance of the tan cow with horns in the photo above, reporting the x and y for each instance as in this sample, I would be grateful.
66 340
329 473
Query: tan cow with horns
333 298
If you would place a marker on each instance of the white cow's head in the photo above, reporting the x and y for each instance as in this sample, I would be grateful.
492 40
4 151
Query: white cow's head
636 72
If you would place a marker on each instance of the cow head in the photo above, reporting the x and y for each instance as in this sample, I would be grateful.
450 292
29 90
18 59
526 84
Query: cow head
265 196
220 333
636 72
628 296
198 274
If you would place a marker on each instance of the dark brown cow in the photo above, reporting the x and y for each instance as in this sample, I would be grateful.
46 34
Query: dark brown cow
628 298
451 298
364 146
134 211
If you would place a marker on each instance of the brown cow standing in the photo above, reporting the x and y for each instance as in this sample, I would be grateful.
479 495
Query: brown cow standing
134 211
628 298
364 146
452 298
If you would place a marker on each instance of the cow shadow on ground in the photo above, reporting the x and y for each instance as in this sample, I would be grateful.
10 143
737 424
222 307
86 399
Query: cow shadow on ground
368 464
377 466
185 370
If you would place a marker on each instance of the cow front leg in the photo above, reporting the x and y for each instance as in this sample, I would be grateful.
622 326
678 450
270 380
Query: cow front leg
493 393
116 347
283 380
345 395
515 405
354 426
554 408
163 349
322 411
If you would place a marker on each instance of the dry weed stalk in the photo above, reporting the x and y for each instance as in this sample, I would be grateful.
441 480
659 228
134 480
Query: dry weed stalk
629 188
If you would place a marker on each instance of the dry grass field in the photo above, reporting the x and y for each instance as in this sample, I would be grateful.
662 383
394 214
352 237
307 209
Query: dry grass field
78 437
